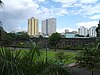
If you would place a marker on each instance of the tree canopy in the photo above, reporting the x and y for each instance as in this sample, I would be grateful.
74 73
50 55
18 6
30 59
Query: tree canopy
54 39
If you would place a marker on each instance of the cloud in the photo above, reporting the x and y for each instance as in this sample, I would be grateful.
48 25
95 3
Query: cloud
95 16
41 0
89 1
65 1
87 9
16 12
87 24
62 30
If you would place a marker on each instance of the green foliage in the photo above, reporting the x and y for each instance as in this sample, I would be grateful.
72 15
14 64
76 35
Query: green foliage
68 47
54 39
22 36
71 55
30 62
15 39
89 58
61 56
9 62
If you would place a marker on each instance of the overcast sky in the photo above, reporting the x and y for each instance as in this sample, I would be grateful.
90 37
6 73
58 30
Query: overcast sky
70 14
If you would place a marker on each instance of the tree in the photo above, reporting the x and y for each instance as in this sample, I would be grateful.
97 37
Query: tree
3 35
22 36
1 3
54 39
89 58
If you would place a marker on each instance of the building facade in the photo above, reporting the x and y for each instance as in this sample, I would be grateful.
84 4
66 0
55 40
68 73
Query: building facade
92 31
70 35
83 31
49 26
33 26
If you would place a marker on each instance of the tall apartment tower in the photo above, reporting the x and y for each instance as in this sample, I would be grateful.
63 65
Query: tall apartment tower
49 26
92 31
32 26
83 31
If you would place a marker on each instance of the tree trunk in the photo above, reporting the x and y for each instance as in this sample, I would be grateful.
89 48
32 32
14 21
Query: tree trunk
55 48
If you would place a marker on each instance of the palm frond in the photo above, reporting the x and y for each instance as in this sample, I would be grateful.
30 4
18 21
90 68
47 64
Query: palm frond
9 62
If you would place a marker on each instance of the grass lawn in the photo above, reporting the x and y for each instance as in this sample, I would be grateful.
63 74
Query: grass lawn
51 54
71 55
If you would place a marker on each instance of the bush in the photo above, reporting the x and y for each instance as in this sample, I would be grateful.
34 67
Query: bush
28 62
68 47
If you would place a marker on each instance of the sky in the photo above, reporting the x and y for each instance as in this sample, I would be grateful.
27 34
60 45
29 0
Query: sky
70 14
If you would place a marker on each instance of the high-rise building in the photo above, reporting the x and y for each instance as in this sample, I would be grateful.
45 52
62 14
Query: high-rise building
49 26
92 31
83 31
32 26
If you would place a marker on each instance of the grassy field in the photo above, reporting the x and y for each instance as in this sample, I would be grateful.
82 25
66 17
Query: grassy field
71 55
51 54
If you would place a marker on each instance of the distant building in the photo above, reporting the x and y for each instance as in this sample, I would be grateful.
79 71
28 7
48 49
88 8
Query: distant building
92 31
66 30
33 26
49 26
70 35
75 32
83 31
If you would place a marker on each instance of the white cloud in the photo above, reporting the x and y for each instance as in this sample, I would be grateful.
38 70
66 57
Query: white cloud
62 30
65 1
87 24
86 9
62 12
16 12
41 0
89 1
95 16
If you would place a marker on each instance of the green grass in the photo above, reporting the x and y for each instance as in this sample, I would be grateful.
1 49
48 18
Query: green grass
71 55
51 54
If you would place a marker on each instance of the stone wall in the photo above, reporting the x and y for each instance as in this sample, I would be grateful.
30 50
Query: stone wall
70 41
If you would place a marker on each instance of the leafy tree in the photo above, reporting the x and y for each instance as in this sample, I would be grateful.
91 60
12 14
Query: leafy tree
54 39
89 58
3 35
22 36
